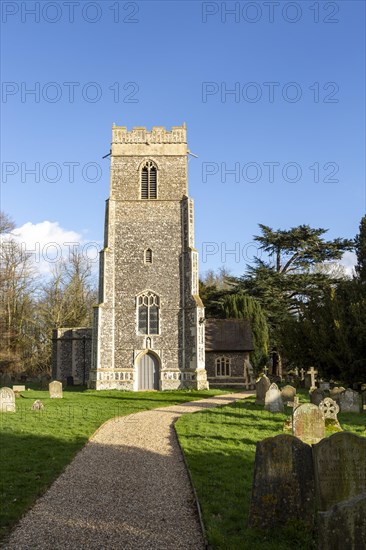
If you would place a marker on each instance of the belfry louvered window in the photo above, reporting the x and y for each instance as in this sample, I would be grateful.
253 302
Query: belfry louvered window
149 181
148 256
148 305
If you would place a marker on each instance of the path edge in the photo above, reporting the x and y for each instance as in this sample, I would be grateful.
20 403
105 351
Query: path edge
198 506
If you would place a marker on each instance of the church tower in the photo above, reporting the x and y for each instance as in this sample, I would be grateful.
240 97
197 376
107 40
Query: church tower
148 330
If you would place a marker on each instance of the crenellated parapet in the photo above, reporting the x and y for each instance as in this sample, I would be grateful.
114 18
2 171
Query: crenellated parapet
140 135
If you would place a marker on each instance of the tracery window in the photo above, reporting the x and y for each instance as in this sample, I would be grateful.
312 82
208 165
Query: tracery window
149 181
223 366
148 305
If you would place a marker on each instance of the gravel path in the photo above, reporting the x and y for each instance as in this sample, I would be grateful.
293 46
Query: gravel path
126 489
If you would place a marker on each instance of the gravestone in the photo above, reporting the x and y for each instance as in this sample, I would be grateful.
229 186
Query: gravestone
55 389
288 393
37 405
364 400
283 484
296 403
325 386
273 400
45 380
6 379
340 468
330 409
349 401
335 392
7 400
308 423
261 387
343 526
18 388
310 378
316 396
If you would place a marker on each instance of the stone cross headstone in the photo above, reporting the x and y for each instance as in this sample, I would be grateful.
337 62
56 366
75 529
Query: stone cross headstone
302 373
296 371
344 525
330 409
265 370
288 393
55 389
310 378
316 396
340 468
308 423
7 400
349 401
335 392
261 387
273 400
283 484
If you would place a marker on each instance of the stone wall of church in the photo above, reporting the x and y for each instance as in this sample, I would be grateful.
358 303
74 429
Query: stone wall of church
238 375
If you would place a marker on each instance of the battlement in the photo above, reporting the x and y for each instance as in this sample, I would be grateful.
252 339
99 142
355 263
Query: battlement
158 134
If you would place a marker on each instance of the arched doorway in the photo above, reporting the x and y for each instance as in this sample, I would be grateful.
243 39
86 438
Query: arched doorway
148 372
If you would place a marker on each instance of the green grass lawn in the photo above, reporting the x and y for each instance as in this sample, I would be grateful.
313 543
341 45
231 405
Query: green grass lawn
35 446
219 445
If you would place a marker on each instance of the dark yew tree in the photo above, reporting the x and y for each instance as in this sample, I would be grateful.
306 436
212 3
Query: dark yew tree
288 279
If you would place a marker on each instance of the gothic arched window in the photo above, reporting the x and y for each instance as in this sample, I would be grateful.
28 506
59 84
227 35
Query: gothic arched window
223 366
149 188
148 305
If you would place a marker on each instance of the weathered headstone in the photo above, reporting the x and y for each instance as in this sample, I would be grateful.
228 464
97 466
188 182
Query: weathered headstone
316 396
18 388
296 403
283 484
330 409
288 393
349 401
340 468
6 379
273 400
336 392
364 400
343 527
55 389
261 387
308 423
325 386
45 380
7 400
37 405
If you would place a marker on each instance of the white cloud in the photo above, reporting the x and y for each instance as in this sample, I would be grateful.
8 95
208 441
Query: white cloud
46 242
349 260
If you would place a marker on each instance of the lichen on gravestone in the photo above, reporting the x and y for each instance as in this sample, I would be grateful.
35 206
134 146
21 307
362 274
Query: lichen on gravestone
308 423
283 483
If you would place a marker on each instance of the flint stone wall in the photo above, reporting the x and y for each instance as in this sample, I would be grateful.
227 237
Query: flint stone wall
71 354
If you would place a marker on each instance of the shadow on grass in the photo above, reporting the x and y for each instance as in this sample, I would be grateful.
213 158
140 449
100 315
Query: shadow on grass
29 464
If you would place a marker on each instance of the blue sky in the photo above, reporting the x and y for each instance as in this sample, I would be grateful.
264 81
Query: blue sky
171 62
